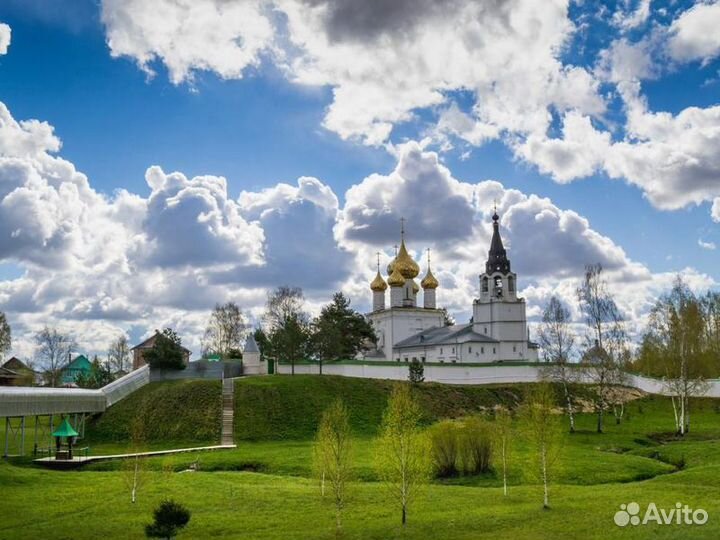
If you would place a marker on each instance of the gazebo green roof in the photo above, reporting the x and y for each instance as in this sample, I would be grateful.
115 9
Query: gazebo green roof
65 430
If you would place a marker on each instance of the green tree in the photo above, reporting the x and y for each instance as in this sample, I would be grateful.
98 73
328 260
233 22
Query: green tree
166 352
98 376
403 453
543 432
170 517
340 332
416 371
288 329
5 335
675 347
332 454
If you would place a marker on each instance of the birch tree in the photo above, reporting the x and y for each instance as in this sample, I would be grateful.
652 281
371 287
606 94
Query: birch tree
403 451
119 354
558 345
53 352
675 348
135 468
225 332
605 340
502 441
332 454
543 433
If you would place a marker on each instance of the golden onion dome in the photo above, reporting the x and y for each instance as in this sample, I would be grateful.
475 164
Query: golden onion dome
429 281
416 288
391 267
396 279
378 284
405 264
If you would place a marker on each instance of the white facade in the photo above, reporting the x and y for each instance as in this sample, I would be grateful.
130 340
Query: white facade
406 332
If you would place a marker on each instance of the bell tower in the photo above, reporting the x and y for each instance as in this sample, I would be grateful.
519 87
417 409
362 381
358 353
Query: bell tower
498 312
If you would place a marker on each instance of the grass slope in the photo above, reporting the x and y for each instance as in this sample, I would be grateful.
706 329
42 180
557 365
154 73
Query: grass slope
289 407
177 411
263 489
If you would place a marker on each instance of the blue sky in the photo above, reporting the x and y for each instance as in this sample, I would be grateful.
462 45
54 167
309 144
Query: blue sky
262 109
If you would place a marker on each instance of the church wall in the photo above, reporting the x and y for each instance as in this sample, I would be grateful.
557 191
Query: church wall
394 325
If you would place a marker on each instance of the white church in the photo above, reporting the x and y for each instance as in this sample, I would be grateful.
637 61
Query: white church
407 331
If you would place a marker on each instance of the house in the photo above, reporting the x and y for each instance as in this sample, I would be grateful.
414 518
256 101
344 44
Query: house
79 365
140 350
14 372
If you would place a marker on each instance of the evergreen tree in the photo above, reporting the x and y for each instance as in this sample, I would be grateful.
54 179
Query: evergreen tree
166 352
340 332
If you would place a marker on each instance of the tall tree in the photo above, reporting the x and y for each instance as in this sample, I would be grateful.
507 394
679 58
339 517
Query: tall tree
288 329
558 345
543 433
502 442
403 451
675 347
340 332
283 303
605 340
5 335
53 351
119 354
332 454
166 352
225 332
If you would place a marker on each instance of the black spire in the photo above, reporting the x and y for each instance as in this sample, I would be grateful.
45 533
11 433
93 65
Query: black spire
497 256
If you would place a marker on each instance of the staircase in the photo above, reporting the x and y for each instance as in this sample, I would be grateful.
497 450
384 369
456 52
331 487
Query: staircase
228 405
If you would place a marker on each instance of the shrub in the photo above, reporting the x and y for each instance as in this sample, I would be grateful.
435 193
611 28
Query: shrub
475 446
416 371
170 517
444 448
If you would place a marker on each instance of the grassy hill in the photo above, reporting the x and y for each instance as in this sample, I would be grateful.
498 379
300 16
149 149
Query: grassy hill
166 411
263 488
289 407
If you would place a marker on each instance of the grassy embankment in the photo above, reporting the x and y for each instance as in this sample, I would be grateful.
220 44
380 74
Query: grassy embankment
275 422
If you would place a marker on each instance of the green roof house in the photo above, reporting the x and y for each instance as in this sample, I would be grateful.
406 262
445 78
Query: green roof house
77 366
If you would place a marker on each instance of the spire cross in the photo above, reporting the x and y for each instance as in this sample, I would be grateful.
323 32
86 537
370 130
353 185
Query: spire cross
402 227
396 249
428 252
378 260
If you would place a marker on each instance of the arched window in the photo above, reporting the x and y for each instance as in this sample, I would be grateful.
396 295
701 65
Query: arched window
511 284
498 282
485 284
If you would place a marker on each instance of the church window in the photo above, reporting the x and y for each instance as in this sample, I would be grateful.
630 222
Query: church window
469 349
498 282
482 350
486 330
453 350
485 284
511 284
441 350
514 348
493 350
422 359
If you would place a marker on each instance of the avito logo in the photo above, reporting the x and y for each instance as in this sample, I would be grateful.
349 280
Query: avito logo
681 514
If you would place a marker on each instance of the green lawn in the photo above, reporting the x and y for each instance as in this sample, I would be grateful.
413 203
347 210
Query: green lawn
264 489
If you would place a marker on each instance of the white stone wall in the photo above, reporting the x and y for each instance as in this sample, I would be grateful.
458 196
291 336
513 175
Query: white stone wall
474 375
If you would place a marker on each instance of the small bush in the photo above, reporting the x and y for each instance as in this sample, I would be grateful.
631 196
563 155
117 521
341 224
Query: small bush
444 448
475 444
170 517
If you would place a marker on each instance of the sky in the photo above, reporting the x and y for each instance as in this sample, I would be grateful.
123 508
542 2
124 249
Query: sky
157 158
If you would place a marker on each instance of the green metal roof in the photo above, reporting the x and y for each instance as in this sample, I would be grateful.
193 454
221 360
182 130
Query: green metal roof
65 430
